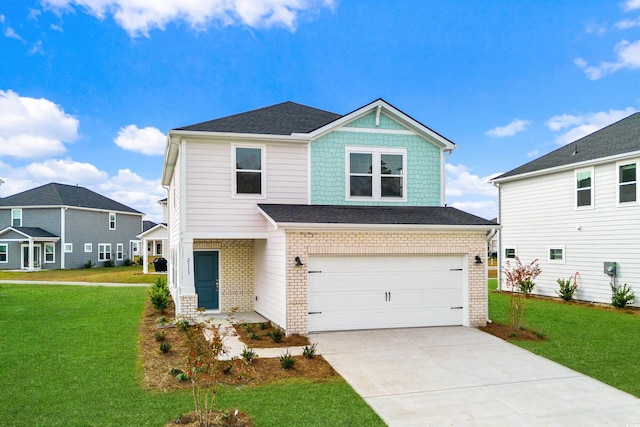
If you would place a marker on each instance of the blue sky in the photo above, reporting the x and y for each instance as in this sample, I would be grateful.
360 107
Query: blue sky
89 88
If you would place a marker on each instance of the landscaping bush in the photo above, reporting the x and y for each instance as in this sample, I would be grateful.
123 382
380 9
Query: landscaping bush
621 295
309 350
109 263
248 354
88 264
567 289
286 360
276 335
159 294
165 347
127 262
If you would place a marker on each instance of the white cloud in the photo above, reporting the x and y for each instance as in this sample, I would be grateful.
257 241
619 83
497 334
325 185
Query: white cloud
487 209
575 127
628 56
516 126
459 182
533 154
631 5
138 17
625 24
31 127
126 187
11 33
149 140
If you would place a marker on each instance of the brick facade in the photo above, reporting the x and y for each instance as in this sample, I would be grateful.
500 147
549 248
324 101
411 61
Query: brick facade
303 244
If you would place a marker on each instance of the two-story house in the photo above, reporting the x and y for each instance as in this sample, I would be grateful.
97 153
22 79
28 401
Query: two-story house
320 221
65 226
576 209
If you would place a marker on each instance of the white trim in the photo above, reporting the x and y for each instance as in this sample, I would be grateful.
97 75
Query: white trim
115 220
53 246
119 251
223 235
591 188
380 131
19 210
557 261
263 172
104 251
384 227
68 245
376 175
636 183
90 245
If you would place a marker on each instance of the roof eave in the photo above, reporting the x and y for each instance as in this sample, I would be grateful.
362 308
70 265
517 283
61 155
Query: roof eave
382 227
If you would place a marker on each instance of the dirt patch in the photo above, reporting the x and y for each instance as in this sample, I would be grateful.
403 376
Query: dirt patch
218 418
507 333
258 335
158 366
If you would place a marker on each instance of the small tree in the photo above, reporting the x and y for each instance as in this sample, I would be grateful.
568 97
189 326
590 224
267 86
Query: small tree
519 278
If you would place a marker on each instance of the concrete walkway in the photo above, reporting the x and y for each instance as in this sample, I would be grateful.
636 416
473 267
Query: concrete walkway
457 376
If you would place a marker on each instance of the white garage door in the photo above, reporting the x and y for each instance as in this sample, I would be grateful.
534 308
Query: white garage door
369 292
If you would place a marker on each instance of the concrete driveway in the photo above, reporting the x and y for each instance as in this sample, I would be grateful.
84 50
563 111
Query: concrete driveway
461 376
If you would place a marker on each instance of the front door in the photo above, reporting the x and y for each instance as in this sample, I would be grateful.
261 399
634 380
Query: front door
36 257
205 265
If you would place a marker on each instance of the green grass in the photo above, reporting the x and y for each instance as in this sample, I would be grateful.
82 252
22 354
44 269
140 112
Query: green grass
69 358
132 274
601 343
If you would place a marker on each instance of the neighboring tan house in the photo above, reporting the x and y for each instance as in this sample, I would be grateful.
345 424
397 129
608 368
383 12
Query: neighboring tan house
64 226
575 210
320 221
154 238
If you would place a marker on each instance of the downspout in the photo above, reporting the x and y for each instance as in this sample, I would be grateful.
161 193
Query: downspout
63 234
443 178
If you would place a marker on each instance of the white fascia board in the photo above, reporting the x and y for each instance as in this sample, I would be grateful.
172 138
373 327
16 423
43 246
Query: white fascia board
170 158
396 115
153 229
233 136
571 166
195 235
268 218
386 227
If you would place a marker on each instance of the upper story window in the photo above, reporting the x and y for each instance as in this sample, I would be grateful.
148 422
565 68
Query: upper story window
249 177
112 220
16 217
627 182
584 188
376 173
49 253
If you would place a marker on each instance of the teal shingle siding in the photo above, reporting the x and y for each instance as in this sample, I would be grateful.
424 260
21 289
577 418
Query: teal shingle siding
328 174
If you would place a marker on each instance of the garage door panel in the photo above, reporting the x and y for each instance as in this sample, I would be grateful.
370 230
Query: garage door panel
361 292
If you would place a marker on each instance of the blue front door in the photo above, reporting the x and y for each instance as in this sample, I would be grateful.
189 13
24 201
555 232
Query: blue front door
205 265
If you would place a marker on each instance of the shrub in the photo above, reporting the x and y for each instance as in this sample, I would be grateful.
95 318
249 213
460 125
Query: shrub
127 262
309 350
159 294
255 337
161 321
165 347
519 278
566 289
621 295
286 360
88 264
247 327
109 263
263 326
248 354
182 324
160 335
276 335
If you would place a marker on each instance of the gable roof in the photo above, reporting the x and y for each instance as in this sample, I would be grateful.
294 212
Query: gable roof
616 139
54 194
372 215
33 232
281 119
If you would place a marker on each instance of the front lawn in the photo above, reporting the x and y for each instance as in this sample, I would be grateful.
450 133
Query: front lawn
69 357
600 342
132 274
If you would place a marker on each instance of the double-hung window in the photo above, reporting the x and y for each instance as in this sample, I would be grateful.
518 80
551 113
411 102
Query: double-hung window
4 253
104 251
119 251
584 188
249 171
627 182
16 217
49 253
376 173
112 220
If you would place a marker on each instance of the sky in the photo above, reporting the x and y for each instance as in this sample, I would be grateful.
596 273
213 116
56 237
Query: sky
90 88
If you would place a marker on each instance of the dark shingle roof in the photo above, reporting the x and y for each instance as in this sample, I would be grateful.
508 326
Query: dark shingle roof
618 138
280 119
54 194
383 215
34 231
148 225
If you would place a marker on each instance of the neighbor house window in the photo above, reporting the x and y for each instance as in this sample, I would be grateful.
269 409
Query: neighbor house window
375 174
112 220
16 217
119 251
68 248
135 248
249 168
4 253
88 247
556 254
104 251
49 253
584 185
510 253
158 248
627 183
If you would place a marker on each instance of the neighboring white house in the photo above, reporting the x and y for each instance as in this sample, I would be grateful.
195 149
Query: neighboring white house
320 221
154 238
576 209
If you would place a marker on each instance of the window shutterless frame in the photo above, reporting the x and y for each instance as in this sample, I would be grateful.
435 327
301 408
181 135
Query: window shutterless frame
375 173
627 183
248 171
584 188
556 254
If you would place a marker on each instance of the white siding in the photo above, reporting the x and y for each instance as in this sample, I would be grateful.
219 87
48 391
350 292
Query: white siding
270 277
173 231
540 212
211 208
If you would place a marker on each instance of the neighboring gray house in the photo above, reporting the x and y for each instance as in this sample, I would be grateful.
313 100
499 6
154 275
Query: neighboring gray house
64 226
577 209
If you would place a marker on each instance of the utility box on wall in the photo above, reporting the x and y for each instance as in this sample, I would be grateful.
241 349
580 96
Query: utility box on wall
610 268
